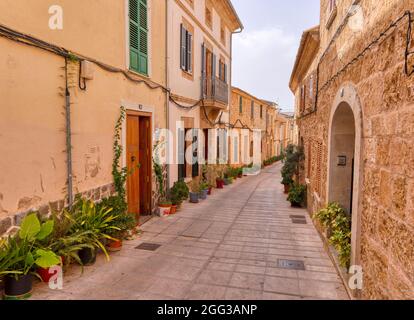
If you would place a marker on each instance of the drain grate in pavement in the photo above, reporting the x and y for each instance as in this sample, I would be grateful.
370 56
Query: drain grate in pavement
148 246
290 264
297 217
299 221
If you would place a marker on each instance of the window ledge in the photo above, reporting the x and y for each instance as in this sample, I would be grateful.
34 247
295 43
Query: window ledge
332 17
136 73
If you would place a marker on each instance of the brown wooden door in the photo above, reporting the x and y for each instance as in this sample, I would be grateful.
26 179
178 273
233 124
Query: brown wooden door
132 152
145 161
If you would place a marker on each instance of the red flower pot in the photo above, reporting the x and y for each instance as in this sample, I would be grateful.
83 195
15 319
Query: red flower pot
210 190
220 184
287 188
114 246
45 274
173 209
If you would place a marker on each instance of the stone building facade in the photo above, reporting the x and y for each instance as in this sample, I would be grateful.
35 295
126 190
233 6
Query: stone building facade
251 113
354 87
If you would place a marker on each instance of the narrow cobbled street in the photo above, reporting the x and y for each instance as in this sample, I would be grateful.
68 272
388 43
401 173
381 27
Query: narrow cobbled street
231 246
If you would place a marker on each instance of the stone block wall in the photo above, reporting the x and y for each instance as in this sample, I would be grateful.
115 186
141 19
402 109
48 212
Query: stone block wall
386 95
10 222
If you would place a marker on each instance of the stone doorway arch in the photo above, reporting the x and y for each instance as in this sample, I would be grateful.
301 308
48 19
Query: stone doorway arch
345 160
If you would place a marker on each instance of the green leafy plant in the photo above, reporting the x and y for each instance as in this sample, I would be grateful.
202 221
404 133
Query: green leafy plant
293 157
19 254
203 185
179 192
98 223
335 219
297 194
195 186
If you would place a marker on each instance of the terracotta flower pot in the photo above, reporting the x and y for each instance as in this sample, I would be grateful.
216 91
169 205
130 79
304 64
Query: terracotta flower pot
287 188
210 191
114 246
220 183
173 209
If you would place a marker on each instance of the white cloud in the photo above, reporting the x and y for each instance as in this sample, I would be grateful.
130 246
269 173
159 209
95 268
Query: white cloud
262 63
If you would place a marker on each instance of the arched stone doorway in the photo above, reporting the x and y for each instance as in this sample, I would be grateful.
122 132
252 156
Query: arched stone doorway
345 160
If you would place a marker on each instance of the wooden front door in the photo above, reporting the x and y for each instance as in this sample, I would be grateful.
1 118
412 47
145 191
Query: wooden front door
209 72
132 152
145 161
138 151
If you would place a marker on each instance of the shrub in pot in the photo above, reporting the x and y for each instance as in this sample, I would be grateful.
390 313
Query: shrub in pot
297 194
178 193
287 182
203 190
124 221
20 254
194 192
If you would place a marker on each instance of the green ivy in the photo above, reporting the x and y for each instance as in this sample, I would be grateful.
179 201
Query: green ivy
334 217
120 174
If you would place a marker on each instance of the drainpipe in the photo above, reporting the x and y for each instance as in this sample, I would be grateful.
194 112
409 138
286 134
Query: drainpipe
68 139
167 83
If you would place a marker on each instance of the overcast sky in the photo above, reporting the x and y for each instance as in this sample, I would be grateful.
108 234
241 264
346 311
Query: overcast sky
264 54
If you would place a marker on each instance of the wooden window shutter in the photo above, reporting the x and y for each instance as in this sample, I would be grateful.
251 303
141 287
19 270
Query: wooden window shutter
138 35
225 73
133 34
213 65
241 105
183 48
252 110
203 59
189 52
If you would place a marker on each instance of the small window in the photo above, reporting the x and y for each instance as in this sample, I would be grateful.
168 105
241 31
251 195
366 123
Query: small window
252 110
209 17
222 70
261 112
186 50
302 98
241 105
223 33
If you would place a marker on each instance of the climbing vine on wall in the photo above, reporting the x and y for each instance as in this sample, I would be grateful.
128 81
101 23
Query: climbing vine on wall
119 173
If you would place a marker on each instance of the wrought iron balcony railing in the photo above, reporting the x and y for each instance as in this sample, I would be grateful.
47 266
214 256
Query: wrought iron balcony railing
213 88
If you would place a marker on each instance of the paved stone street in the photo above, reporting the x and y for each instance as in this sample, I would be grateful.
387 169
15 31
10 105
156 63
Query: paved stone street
226 247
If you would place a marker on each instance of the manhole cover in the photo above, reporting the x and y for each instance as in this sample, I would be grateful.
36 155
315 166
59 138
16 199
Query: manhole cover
148 246
290 264
299 221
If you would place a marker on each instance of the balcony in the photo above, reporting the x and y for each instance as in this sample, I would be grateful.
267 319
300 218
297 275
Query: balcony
215 92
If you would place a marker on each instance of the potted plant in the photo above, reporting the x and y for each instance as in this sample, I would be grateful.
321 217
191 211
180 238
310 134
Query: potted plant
287 182
240 173
194 192
21 253
203 190
178 193
165 205
97 223
297 195
210 190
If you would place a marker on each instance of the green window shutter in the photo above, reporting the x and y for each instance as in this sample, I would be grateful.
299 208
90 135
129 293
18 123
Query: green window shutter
138 34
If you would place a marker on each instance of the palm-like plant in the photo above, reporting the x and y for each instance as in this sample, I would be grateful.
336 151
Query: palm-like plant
93 224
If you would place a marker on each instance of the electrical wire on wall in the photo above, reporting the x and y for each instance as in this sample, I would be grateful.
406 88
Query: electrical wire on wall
361 54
